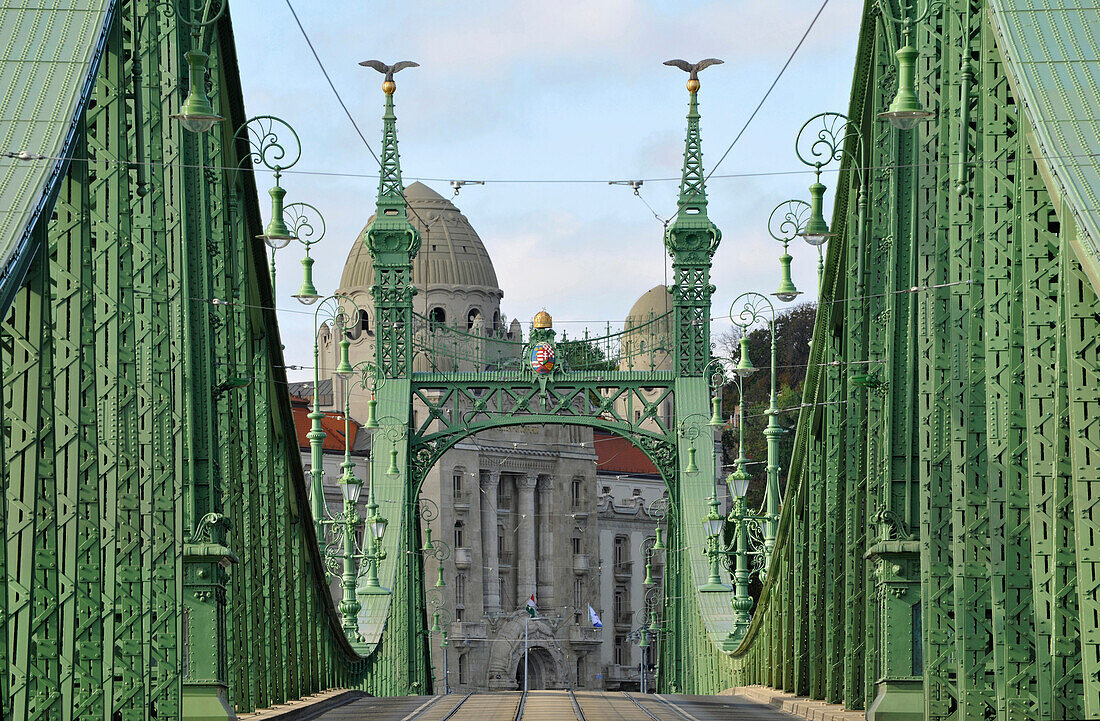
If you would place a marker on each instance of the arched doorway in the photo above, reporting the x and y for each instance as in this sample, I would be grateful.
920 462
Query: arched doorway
542 670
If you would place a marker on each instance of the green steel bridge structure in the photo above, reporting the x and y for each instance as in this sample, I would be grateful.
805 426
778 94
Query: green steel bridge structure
938 549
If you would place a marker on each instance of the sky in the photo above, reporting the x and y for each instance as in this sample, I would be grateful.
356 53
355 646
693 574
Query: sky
520 93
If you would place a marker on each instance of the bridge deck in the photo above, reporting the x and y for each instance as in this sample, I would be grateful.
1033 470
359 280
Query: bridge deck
555 706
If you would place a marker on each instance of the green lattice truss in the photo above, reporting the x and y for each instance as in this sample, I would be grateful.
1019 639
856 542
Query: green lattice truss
938 549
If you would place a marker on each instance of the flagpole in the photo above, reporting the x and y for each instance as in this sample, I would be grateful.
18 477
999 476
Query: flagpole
526 636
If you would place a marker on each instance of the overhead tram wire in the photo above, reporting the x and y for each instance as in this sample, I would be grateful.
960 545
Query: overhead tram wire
769 91
347 112
23 157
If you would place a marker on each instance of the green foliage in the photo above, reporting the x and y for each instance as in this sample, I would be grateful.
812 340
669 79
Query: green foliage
583 355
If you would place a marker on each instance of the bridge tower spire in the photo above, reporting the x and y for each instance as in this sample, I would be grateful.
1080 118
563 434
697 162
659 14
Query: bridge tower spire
691 240
393 243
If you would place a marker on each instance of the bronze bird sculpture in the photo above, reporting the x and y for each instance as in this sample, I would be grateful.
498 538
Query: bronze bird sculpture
388 85
693 69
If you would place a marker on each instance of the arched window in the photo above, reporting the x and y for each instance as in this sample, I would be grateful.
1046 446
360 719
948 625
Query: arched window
577 541
577 489
496 320
456 482
460 589
472 317
460 535
437 318
360 327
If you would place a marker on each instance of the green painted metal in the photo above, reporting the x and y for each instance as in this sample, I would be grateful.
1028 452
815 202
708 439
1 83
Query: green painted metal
47 76
123 512
964 321
935 556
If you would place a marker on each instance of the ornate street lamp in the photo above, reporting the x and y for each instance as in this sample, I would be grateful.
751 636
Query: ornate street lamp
905 111
197 114
754 309
268 149
786 222
441 621
821 140
437 549
338 317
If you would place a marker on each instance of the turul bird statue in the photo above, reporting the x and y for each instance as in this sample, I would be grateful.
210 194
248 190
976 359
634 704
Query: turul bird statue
388 85
693 69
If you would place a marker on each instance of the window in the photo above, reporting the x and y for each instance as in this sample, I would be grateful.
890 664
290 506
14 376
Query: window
437 318
620 657
460 589
622 552
620 604
504 597
637 416
577 492
637 491
463 669
460 535
472 317
578 593
500 545
580 671
577 541
456 481
460 614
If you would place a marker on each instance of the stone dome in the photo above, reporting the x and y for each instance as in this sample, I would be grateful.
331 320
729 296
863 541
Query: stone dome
647 342
654 302
451 253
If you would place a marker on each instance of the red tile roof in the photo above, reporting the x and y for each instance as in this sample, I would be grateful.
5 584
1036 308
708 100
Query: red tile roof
332 424
615 454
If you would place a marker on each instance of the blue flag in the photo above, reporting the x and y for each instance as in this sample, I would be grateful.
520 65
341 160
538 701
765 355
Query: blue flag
594 618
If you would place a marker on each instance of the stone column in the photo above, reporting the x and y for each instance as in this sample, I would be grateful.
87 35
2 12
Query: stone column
525 554
546 544
490 575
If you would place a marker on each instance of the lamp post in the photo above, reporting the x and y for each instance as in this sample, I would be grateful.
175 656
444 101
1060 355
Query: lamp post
441 620
754 306
266 148
437 548
786 222
196 114
338 317
905 111
821 140
373 378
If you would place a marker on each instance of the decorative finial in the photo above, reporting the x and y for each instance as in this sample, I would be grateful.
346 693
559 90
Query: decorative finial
543 320
693 70
388 85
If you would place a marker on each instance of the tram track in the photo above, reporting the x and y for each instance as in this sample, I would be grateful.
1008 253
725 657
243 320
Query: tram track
576 706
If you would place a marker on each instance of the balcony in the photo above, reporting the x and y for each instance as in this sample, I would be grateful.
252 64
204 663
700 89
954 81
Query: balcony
581 564
462 633
584 636
624 620
623 570
463 558
461 501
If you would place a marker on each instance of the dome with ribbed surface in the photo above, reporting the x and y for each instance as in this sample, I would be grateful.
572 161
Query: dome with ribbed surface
451 253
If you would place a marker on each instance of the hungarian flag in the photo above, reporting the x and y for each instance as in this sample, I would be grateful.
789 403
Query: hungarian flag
531 611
